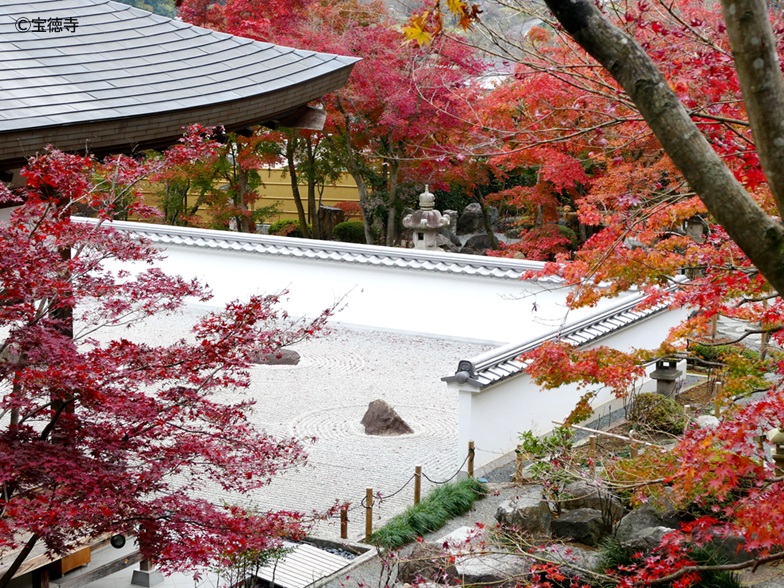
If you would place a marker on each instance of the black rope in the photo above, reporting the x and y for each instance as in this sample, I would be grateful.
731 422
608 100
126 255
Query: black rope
363 504
450 478
383 498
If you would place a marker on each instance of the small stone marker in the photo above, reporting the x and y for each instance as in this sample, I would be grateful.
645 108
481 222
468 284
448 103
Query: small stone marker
279 357
381 419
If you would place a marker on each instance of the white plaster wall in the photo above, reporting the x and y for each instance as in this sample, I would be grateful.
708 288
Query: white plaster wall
494 417
5 214
387 298
442 305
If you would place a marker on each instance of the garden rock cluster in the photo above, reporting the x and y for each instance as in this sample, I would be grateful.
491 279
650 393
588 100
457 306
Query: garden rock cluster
566 532
588 513
466 556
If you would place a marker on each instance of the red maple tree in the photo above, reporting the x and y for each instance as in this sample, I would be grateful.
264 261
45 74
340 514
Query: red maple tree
387 126
120 437
681 66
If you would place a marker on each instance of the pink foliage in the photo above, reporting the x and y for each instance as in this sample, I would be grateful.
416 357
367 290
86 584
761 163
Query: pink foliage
116 438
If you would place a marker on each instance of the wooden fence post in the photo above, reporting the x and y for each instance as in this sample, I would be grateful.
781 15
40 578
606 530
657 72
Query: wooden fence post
470 459
519 465
417 484
344 522
717 399
368 513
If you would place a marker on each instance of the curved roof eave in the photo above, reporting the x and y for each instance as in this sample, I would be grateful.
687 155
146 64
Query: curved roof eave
123 78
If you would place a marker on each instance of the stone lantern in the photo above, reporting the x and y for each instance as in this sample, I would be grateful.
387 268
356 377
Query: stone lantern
426 222
776 437
666 375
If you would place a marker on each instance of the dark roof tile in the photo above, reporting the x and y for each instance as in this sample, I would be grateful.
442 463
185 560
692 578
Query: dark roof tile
167 64
503 362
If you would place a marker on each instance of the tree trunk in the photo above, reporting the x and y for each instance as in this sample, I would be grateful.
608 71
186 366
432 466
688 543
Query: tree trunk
367 212
303 221
394 173
312 206
757 234
488 228
352 165
759 73
246 225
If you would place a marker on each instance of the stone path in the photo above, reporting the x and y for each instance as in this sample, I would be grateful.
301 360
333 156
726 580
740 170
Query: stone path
732 330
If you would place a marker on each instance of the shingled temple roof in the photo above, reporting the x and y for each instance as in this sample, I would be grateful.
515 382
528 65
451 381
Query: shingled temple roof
109 77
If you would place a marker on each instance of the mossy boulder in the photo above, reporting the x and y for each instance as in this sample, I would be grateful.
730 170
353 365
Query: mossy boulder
655 412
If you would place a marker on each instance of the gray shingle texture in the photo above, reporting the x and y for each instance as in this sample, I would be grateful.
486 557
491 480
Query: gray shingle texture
121 62
504 362
371 255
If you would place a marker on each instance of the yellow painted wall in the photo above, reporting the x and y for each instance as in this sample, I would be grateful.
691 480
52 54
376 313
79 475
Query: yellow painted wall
277 190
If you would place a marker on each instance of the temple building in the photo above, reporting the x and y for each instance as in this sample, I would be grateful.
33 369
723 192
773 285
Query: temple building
103 77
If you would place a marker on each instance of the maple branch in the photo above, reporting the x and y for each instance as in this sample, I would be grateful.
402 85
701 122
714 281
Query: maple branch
754 49
753 300
753 563
539 143
742 337
759 236
627 231
61 406
723 119
39 221
607 434
702 38
643 484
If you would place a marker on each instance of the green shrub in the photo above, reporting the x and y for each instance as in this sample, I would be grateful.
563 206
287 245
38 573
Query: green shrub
569 234
745 368
613 555
712 353
349 232
657 413
707 555
456 499
445 502
553 460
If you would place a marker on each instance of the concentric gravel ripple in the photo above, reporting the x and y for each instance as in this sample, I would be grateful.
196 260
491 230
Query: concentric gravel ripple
333 362
339 422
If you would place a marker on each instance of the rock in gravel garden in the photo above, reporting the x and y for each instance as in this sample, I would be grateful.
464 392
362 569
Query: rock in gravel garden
463 557
583 525
528 512
581 494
